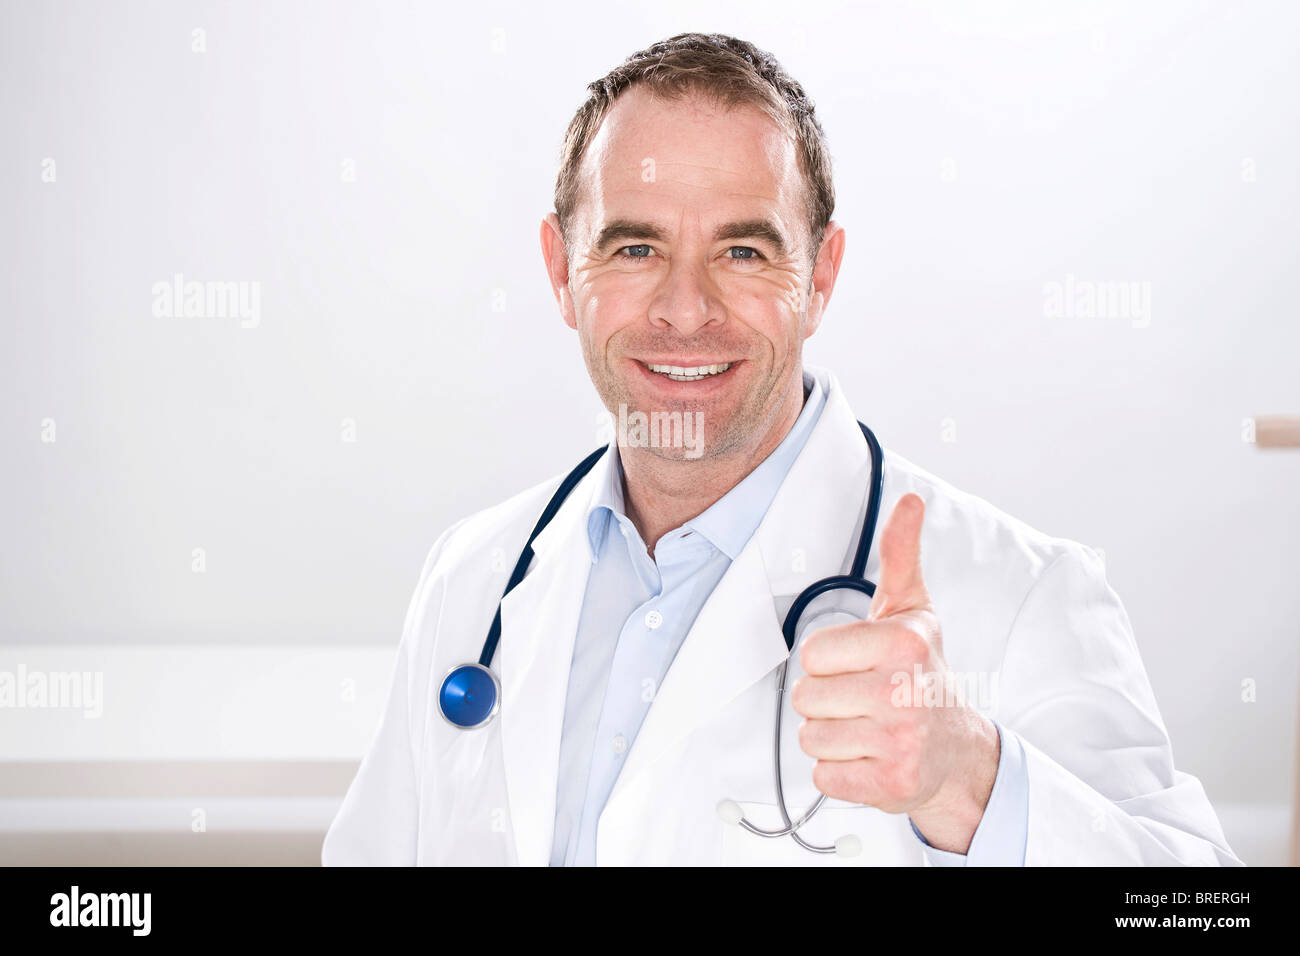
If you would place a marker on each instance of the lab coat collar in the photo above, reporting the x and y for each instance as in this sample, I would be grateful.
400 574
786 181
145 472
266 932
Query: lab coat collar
811 530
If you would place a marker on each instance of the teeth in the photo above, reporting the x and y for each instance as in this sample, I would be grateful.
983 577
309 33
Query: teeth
679 374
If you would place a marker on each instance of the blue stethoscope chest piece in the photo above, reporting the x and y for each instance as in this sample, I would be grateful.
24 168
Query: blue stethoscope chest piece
470 696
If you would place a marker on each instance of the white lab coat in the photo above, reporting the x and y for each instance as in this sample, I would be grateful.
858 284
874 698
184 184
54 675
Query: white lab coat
1033 610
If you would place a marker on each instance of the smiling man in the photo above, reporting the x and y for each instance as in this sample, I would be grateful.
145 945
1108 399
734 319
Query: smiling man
621 710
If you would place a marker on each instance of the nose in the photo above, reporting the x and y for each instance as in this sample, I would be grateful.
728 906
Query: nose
687 299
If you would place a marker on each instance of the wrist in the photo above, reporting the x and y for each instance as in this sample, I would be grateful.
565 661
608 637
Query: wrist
949 819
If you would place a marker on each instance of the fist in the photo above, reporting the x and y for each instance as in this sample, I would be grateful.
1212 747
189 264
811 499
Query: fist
878 737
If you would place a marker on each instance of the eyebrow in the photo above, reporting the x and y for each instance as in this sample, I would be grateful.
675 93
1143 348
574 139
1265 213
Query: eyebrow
761 229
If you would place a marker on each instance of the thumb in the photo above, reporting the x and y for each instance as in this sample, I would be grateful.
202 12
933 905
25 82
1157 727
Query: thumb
901 587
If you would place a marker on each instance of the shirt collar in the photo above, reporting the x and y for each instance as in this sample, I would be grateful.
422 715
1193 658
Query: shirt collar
607 502
731 521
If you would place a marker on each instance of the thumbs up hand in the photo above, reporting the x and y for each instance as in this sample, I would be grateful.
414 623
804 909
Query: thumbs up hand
879 738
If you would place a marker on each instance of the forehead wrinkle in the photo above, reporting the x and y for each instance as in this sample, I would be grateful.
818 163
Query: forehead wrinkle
679 173
745 189
772 151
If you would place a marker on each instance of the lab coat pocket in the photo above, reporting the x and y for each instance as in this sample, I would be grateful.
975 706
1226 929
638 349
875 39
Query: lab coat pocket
886 839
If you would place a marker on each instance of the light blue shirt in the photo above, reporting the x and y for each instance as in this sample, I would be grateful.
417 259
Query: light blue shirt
635 615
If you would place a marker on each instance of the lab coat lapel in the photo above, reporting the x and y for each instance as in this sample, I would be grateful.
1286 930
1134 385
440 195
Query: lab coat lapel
808 533
539 620
811 530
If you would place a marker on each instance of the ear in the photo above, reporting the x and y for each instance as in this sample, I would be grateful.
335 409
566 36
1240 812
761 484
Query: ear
826 269
556 260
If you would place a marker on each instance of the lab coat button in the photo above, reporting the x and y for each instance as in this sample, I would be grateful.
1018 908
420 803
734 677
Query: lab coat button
653 619
619 743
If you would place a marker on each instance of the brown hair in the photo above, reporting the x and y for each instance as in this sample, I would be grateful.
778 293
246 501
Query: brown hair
732 73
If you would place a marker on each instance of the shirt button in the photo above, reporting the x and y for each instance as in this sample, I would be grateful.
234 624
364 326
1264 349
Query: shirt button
653 619
619 744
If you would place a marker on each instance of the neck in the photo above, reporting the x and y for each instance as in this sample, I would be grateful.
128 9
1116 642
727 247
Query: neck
661 494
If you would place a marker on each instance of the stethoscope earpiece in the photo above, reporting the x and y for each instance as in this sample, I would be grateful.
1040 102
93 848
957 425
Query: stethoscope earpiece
848 845
730 812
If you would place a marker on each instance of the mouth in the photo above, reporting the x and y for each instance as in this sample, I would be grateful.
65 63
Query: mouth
694 373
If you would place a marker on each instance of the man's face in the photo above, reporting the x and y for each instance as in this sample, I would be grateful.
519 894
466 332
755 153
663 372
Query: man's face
689 251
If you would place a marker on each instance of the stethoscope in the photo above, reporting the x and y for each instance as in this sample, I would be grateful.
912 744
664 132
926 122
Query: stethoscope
470 694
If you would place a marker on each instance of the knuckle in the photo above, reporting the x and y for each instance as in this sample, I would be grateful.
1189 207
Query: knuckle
911 776
809 655
902 779
799 694
903 737
889 782
885 696
807 735
830 778
912 645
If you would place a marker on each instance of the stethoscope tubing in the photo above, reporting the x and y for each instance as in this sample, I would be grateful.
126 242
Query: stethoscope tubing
855 580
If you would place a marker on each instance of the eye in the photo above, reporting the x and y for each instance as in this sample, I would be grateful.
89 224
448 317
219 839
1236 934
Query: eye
641 251
748 249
